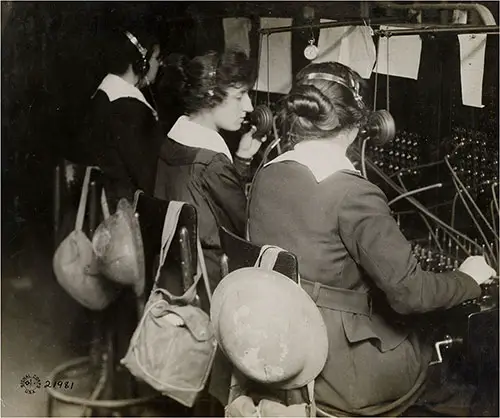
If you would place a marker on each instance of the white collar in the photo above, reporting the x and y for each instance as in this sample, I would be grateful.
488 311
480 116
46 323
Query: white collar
321 157
191 134
116 87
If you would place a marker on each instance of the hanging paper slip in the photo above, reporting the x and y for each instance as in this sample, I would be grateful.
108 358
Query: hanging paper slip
329 43
275 61
358 50
350 45
399 55
472 52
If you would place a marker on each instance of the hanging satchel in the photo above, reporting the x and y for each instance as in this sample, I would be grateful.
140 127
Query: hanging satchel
75 263
173 347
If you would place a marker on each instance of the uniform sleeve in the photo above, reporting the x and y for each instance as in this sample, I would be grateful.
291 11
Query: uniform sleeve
244 170
375 241
225 189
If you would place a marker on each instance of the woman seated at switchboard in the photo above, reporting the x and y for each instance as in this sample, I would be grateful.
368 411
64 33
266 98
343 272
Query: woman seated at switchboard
353 259
195 163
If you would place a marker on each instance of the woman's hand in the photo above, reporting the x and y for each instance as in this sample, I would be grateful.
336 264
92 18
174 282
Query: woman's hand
476 267
249 145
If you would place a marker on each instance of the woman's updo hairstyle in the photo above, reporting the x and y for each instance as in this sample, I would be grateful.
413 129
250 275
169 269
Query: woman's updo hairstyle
325 99
202 82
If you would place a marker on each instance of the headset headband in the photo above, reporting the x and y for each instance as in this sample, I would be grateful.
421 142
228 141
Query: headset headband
354 87
143 51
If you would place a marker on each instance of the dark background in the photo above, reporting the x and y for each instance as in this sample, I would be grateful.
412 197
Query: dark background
52 63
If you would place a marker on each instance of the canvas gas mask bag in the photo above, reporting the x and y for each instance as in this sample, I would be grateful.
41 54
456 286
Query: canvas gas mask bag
173 347
75 263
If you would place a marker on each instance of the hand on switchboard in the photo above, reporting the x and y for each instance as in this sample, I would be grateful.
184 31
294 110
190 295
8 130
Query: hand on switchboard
249 145
476 267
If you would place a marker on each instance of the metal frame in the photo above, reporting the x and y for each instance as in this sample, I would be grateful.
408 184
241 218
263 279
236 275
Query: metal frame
493 30
490 25
481 10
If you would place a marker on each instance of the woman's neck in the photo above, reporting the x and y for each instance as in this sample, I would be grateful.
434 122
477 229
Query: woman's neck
130 77
340 145
204 119
344 138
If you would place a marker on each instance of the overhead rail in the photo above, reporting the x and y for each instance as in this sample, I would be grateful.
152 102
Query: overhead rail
456 29
483 12
490 25
407 30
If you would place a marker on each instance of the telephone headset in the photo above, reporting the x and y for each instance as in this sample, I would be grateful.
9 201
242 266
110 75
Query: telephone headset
141 66
351 85
380 127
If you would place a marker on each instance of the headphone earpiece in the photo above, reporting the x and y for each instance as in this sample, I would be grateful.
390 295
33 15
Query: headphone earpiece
141 66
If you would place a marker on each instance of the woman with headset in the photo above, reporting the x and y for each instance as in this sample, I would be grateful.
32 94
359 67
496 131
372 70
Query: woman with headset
195 163
122 133
353 259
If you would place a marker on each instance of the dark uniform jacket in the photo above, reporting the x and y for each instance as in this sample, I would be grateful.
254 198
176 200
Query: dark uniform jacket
122 136
209 181
350 250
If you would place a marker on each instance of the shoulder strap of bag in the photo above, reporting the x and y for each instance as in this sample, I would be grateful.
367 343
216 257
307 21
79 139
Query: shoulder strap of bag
268 256
312 401
169 228
167 236
104 204
137 194
83 200
82 205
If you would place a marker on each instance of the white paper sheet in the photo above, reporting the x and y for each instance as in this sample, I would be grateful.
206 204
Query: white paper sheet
403 52
329 43
277 78
472 52
358 50
236 33
350 45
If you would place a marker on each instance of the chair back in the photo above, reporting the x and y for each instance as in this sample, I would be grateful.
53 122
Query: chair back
151 212
239 253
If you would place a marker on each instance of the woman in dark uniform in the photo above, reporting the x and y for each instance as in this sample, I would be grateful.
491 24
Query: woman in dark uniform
195 164
122 136
122 133
353 259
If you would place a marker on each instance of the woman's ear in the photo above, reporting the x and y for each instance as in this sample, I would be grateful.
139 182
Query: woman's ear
351 134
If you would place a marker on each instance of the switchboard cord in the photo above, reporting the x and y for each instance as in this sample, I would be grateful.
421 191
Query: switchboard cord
363 158
268 150
412 192
495 197
459 185
388 77
433 234
476 223
453 209
492 213
415 167
424 210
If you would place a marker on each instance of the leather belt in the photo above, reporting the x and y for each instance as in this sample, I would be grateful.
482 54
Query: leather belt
338 299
